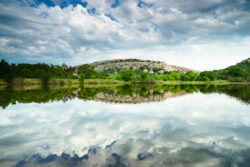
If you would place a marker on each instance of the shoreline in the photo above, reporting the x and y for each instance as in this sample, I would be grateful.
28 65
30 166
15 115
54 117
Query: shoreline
54 82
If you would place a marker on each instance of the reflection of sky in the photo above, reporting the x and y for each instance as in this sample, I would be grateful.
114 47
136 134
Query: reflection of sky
196 129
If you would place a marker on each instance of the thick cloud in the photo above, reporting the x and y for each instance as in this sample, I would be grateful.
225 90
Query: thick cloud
76 32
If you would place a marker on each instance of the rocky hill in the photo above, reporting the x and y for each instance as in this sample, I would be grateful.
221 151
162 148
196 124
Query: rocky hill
135 64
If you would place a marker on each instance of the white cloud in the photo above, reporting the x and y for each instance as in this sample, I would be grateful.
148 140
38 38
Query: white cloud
171 31
197 56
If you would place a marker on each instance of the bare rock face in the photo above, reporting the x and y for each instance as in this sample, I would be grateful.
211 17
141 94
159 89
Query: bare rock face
136 64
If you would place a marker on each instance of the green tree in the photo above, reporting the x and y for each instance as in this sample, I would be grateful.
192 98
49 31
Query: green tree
209 74
87 71
175 75
143 76
202 78
184 77
157 77
27 73
191 76
126 75
6 72
236 71
168 78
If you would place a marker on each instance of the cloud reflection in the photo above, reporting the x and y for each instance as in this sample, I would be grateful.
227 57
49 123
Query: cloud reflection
196 129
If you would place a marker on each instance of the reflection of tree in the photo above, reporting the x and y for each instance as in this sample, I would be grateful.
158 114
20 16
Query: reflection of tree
125 90
120 94
10 96
241 92
88 93
208 88
6 97
144 91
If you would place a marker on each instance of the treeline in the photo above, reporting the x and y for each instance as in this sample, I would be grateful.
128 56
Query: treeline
44 71
239 72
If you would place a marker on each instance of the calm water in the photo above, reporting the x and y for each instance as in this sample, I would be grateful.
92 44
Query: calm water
168 125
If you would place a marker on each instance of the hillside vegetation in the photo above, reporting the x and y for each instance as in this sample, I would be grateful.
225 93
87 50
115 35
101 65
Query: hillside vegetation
238 72
150 71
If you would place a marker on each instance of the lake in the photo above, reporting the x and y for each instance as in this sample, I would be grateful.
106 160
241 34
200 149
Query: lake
118 126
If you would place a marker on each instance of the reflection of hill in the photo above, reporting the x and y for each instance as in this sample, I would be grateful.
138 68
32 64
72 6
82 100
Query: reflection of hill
136 97
132 94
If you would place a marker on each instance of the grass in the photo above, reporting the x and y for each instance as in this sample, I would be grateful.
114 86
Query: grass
27 87
26 81
194 82
102 85
216 82
97 83
110 82
31 83
103 81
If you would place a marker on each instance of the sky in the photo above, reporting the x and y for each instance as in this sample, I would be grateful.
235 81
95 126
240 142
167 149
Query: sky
198 34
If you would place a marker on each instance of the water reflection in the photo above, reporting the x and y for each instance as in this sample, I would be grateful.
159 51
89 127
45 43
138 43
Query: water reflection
119 94
204 126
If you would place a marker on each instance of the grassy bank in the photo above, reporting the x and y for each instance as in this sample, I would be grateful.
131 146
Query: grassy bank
20 82
113 81
219 82
100 83
103 81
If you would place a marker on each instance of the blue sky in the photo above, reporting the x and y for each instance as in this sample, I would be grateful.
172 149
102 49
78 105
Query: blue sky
203 35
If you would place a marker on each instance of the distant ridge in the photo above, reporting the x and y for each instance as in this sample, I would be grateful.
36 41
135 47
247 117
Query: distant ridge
136 64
